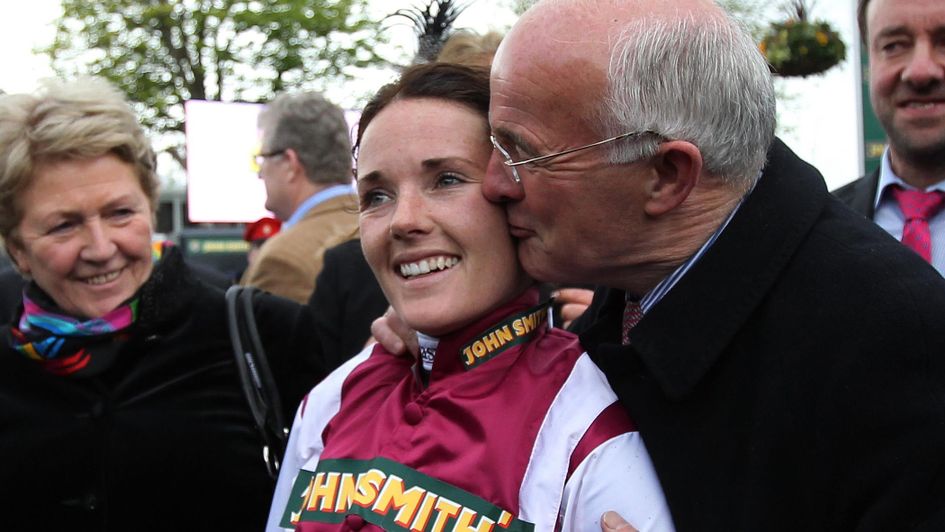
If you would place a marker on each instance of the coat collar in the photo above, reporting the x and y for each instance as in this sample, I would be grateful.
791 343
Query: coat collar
860 195
682 336
345 202
169 292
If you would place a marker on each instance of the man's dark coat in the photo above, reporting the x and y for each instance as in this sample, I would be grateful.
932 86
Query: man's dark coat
794 379
860 194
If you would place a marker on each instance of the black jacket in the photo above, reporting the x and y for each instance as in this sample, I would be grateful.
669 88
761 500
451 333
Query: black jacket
794 379
163 439
346 300
860 195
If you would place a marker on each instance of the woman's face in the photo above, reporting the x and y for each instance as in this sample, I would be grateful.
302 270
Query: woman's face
441 252
85 236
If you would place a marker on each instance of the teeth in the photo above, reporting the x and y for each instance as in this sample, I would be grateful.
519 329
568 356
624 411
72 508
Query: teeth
414 269
104 278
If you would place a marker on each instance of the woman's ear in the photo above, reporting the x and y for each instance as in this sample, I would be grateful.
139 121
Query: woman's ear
17 256
677 167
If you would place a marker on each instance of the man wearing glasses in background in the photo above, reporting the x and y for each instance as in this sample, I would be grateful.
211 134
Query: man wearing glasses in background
305 163
781 356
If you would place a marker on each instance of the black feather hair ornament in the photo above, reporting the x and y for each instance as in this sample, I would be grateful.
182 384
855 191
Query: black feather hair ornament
434 24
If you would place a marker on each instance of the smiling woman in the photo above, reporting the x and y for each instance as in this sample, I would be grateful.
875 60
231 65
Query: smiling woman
86 235
119 397
483 430
421 206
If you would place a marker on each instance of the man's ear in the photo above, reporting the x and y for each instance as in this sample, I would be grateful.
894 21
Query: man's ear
292 157
677 167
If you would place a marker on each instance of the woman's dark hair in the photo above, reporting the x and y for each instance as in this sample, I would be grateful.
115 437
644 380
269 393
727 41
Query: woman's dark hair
466 85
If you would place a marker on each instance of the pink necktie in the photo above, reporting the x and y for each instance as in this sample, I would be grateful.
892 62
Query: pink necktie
917 206
632 314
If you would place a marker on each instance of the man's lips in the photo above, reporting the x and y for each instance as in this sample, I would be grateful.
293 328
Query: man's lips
520 232
920 104
911 99
922 113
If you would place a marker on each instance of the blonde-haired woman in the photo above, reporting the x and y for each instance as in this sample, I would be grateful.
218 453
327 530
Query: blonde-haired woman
120 405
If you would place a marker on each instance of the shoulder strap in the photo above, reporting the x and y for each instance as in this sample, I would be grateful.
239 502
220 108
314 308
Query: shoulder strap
256 379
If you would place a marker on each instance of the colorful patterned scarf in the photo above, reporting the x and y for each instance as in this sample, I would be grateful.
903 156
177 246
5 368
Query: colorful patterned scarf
62 343
65 345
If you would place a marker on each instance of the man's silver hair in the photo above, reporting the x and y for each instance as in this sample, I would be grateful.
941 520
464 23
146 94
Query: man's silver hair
700 80
315 128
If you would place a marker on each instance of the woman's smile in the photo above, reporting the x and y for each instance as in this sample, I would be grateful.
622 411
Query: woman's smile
441 252
425 266
85 236
100 279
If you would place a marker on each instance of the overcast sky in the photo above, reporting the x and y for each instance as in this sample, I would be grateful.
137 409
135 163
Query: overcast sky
818 117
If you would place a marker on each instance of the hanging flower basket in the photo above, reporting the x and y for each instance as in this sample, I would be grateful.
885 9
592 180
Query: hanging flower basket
802 48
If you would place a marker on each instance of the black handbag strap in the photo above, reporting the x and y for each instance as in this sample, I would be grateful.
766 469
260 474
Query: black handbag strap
258 384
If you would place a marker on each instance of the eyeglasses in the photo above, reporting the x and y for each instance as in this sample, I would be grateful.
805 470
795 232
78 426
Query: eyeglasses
505 152
259 158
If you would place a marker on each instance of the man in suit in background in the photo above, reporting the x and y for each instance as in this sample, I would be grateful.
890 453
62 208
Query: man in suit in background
305 163
906 195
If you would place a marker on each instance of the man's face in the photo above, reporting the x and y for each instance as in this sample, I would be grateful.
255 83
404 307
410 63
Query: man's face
575 216
906 40
274 170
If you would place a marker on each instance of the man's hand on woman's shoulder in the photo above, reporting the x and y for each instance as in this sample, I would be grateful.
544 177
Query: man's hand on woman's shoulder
392 333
